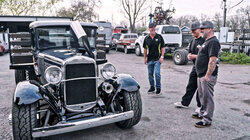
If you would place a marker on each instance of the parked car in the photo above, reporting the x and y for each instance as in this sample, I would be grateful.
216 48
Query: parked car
115 38
3 47
105 28
127 42
59 89
139 50
172 36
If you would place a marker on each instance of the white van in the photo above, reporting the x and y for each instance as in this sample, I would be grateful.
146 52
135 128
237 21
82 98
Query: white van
171 34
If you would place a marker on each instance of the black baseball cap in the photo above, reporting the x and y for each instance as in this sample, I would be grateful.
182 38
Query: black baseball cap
195 25
207 24
151 25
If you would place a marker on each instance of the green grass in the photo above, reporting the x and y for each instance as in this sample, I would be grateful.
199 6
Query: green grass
235 58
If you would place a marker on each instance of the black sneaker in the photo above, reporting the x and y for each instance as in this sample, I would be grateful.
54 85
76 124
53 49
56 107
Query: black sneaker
158 91
151 90
202 124
196 116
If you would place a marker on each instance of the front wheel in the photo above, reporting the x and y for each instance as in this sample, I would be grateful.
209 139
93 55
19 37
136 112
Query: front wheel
24 120
125 50
138 50
129 101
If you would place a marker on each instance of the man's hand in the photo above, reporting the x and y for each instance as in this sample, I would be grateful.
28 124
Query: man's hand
145 61
207 78
161 60
191 56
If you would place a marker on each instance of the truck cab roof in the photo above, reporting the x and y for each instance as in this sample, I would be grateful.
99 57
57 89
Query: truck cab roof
36 24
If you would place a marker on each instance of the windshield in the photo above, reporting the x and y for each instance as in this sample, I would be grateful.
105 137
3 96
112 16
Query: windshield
52 37
57 37
170 30
91 33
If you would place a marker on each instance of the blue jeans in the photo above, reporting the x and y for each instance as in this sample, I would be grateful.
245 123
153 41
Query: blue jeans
154 66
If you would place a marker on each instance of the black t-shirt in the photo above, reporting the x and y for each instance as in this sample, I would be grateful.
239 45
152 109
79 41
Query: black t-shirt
211 47
193 46
153 46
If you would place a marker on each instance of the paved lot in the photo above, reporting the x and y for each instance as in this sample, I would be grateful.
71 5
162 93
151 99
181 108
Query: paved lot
160 119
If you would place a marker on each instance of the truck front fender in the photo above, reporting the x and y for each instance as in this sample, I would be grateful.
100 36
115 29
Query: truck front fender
26 93
127 83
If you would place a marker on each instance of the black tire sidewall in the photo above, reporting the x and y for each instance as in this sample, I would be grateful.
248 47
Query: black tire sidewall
183 55
132 101
24 120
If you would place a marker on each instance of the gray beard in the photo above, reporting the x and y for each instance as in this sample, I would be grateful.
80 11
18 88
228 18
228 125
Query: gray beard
205 35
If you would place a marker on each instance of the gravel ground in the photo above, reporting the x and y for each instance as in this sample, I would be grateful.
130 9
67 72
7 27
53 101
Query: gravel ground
160 119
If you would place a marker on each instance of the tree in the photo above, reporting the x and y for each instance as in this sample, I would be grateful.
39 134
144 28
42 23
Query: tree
217 21
246 14
186 20
25 7
133 9
234 22
81 10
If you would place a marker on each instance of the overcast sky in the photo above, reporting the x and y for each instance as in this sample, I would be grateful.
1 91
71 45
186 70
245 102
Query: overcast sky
111 8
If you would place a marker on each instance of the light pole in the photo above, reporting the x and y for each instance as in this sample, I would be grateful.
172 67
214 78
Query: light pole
225 14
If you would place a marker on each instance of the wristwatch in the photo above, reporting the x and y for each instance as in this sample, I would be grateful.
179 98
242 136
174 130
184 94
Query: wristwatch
162 57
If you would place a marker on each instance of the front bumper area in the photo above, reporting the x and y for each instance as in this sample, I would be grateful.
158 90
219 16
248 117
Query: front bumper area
80 125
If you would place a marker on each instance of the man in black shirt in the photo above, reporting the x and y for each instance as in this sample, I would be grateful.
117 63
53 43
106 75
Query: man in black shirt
153 56
192 83
207 69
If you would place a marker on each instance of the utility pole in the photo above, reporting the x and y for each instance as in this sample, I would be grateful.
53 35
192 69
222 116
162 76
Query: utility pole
225 13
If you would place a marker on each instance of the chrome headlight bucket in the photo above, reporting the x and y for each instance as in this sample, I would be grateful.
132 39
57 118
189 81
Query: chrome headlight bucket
53 75
108 71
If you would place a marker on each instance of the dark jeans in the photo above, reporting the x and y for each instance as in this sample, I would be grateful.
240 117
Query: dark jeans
154 67
190 89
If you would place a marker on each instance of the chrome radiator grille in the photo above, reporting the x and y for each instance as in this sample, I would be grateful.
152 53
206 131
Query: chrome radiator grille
80 91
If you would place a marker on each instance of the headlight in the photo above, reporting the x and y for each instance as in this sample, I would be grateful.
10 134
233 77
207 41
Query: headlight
53 74
108 71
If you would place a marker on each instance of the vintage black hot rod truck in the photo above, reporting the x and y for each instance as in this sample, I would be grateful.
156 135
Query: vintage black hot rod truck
59 87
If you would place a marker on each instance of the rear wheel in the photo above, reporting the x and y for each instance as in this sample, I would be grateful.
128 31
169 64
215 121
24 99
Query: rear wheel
24 120
126 102
180 57
22 75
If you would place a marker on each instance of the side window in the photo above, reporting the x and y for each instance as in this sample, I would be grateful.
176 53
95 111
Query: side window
170 30
156 29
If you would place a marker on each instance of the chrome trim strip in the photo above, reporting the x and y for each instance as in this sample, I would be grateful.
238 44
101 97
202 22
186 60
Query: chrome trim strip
82 78
80 125
77 107
22 64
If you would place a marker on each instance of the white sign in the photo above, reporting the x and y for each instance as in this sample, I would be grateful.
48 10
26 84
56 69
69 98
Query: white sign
77 28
